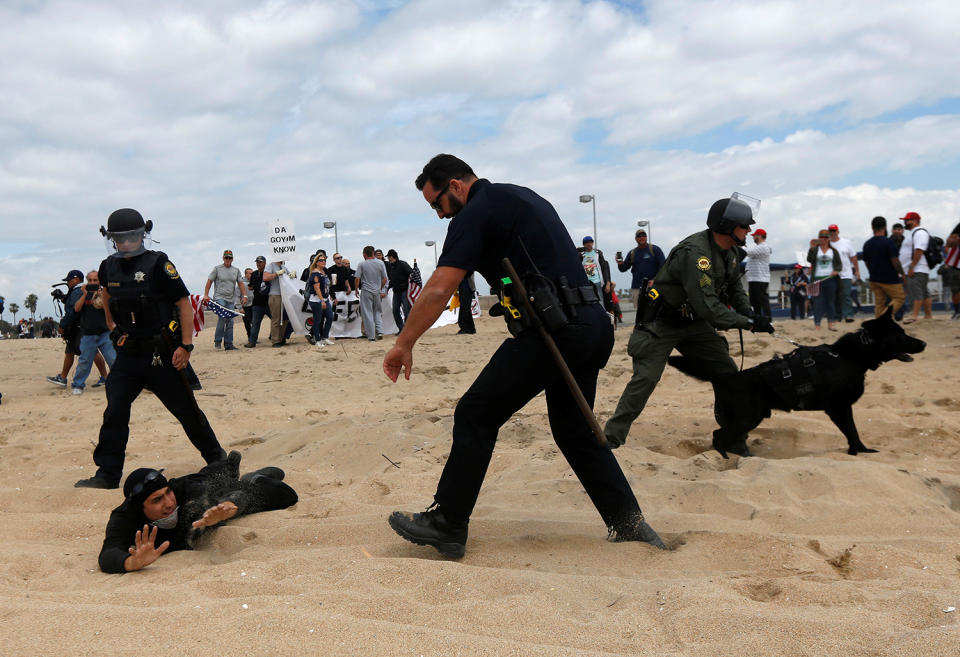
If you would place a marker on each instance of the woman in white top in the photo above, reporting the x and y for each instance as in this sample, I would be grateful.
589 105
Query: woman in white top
825 266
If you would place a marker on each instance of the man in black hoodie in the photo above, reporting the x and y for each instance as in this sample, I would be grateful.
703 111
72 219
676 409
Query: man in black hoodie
158 515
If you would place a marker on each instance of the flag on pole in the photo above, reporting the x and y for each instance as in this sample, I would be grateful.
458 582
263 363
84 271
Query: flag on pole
195 302
414 284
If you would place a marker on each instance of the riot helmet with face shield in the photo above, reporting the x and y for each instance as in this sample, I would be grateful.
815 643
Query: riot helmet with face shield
126 233
728 214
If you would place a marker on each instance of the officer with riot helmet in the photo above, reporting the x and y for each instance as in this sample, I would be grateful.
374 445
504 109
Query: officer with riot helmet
148 311
491 221
697 291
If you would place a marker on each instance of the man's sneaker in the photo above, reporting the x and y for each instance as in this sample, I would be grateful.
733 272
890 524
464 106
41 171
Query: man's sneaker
955 315
76 391
96 482
102 381
432 528
250 345
636 530
848 319
229 347
57 381
310 339
216 345
327 341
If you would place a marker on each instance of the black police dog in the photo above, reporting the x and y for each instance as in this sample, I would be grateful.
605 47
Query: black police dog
827 378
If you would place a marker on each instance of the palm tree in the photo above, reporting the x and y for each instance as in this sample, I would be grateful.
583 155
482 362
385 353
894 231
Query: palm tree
31 303
14 308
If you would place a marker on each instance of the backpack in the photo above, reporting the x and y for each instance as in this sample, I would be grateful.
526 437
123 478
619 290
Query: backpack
934 251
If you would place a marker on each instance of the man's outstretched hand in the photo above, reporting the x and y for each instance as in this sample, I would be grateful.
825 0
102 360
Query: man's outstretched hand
216 514
142 552
397 358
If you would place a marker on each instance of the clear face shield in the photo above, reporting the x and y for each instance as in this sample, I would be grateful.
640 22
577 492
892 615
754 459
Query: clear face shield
742 210
127 243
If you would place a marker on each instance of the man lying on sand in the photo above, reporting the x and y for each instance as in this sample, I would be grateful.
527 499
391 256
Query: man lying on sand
158 515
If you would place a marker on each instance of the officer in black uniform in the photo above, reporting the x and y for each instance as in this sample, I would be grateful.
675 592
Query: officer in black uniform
491 221
143 293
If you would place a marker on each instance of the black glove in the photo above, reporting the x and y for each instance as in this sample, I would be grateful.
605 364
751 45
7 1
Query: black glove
761 325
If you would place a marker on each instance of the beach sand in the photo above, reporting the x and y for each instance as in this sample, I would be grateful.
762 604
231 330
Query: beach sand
800 550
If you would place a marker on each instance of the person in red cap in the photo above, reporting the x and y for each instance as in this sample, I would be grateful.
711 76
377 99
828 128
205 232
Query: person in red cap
916 272
758 273
849 271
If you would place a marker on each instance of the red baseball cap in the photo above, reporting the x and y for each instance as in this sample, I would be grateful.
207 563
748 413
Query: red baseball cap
798 266
761 232
833 227
910 215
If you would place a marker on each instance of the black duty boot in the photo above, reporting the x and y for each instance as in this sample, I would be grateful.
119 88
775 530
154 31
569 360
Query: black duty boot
636 530
432 528
270 472
96 482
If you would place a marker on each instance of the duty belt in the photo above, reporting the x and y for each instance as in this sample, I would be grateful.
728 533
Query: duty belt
580 296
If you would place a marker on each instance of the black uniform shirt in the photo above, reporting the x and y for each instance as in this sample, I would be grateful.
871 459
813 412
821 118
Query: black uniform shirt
163 280
495 220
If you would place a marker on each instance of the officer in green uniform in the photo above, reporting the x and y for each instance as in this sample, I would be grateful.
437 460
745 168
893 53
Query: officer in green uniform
697 292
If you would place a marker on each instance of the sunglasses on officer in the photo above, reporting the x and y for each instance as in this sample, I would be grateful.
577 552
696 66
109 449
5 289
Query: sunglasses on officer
435 204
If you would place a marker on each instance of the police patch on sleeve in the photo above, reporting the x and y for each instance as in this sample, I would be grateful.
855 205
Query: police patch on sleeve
171 270
705 280
703 263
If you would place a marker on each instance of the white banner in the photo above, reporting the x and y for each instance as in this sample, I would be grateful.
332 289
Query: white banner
346 317
281 238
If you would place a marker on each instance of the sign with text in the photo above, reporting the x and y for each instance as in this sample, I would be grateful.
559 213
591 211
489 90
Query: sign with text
281 238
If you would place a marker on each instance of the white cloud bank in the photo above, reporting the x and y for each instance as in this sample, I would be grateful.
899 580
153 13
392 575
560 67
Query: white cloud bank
213 118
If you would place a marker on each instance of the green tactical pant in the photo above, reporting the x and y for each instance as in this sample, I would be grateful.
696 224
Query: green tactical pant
649 347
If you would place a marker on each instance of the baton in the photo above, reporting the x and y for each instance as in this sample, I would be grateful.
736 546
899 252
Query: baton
557 357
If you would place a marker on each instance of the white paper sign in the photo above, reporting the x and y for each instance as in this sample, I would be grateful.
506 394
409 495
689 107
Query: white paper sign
281 238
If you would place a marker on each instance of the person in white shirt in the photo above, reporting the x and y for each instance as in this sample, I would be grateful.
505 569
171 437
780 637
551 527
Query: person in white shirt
849 272
916 270
758 273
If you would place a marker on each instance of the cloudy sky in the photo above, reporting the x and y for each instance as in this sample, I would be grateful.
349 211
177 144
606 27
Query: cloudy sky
214 118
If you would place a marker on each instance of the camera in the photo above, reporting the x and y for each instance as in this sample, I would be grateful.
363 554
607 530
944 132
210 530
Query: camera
619 255
58 295
91 287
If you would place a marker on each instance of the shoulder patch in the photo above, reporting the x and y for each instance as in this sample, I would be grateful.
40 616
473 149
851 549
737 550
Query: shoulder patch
171 270
703 263
705 280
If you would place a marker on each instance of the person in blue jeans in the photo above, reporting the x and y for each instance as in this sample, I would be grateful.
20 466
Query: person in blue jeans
320 303
94 334
259 290
225 279
825 269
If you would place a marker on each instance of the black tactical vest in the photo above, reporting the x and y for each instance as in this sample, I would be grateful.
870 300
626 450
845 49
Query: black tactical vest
135 303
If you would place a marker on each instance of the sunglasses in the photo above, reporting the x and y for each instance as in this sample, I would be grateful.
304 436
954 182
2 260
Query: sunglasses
435 204
154 474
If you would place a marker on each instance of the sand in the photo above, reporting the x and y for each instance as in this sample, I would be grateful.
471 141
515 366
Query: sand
800 550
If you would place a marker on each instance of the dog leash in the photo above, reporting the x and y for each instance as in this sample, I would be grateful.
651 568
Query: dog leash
786 339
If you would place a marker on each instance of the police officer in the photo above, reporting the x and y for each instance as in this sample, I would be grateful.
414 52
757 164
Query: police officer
694 288
491 221
142 293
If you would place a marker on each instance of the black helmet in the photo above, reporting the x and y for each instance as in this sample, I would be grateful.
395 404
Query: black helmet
126 219
125 233
727 214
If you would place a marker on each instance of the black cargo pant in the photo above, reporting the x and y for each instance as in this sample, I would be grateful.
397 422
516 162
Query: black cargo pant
131 371
519 370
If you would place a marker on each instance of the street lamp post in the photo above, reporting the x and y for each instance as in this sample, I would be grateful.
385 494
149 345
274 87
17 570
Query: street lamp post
336 237
434 245
590 198
646 225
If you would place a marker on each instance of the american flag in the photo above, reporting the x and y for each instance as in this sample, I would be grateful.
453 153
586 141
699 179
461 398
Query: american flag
222 311
415 284
195 302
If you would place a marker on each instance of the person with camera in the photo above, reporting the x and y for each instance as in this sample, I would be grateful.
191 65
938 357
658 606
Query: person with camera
148 311
491 221
94 336
698 291
69 330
